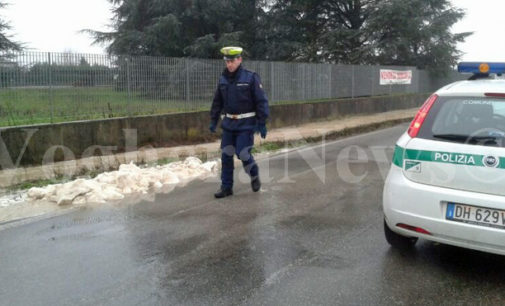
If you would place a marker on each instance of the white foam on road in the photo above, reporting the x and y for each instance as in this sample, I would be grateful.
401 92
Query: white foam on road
112 186
12 199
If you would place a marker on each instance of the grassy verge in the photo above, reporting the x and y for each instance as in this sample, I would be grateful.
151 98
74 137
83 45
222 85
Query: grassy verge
33 106
37 183
26 106
279 145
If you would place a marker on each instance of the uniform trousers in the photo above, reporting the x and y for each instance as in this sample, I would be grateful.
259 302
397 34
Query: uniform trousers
239 143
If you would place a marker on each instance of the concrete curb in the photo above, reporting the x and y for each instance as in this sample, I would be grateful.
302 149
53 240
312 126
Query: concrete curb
31 146
308 133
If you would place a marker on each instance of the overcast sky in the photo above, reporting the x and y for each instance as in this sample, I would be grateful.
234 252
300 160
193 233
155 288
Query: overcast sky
53 25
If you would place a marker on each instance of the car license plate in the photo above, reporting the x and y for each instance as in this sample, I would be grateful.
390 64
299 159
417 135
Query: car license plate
475 215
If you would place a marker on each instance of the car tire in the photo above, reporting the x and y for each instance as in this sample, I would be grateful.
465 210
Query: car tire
398 241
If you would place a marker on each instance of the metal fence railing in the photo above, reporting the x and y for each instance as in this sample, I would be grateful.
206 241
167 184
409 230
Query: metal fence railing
40 87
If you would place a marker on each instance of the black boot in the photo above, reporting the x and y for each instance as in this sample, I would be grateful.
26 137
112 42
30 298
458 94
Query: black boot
223 192
256 184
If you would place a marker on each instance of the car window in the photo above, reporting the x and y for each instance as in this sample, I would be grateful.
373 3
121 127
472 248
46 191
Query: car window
499 109
471 120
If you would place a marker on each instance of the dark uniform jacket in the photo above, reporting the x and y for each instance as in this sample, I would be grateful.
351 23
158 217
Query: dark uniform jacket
239 93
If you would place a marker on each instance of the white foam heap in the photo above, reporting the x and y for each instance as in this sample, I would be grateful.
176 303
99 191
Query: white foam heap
128 179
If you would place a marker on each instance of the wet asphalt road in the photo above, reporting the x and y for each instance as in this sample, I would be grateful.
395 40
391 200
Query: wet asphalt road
312 236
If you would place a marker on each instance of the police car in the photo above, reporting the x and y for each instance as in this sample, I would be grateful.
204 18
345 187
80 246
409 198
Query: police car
447 178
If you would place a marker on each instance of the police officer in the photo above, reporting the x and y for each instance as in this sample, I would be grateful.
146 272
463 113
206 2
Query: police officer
241 99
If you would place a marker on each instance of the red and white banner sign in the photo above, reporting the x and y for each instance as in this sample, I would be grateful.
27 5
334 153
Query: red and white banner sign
388 77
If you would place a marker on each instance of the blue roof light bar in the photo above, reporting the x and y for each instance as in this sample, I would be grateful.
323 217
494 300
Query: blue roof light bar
481 67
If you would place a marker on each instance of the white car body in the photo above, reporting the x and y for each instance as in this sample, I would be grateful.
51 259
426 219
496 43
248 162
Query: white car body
427 174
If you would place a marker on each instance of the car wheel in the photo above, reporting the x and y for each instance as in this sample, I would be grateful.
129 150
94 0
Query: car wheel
397 240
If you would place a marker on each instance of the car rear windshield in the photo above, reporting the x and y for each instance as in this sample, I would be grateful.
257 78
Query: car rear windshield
470 120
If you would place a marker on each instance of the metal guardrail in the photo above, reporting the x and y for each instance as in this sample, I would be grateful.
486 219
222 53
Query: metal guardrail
38 87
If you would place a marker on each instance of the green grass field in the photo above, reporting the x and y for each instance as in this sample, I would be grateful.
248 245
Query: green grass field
44 105
29 106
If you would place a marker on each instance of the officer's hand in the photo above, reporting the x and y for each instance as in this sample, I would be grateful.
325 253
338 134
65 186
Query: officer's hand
262 129
212 127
